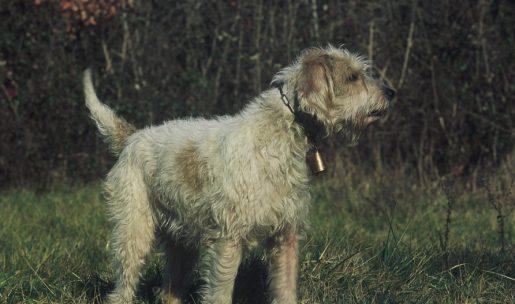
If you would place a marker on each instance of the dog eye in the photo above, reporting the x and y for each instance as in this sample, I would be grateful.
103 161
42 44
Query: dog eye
353 77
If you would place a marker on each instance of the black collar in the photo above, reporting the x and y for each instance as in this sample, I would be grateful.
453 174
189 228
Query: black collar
313 128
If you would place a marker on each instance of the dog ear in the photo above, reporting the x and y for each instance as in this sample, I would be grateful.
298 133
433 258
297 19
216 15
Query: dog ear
315 86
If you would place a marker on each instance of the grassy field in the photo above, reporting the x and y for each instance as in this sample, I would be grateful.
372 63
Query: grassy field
54 249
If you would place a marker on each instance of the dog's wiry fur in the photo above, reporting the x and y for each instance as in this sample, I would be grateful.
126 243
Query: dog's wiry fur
229 183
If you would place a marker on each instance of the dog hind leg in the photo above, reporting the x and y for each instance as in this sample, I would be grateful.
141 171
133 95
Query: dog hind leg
133 229
178 272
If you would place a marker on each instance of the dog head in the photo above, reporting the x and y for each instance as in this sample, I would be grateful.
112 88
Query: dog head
336 87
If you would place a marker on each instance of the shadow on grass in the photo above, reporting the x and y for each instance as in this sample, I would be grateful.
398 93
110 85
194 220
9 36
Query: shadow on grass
96 288
251 280
250 285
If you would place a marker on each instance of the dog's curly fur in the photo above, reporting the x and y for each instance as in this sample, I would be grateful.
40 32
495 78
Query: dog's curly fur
227 184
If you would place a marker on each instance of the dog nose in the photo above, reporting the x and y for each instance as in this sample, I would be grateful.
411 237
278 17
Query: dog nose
389 93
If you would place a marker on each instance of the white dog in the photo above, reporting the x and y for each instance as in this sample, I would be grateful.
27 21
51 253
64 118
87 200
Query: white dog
227 184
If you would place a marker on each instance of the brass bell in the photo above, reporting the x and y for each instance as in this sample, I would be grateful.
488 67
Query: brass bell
315 161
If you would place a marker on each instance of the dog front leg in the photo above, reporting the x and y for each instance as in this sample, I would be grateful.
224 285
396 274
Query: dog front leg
283 269
223 260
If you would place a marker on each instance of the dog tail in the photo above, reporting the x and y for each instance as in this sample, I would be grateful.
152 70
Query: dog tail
114 129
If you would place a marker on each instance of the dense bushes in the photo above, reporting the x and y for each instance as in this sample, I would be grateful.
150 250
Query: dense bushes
452 63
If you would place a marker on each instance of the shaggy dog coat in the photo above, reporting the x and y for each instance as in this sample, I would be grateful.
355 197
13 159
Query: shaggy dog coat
227 184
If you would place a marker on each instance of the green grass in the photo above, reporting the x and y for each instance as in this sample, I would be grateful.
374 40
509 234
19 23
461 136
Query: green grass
54 249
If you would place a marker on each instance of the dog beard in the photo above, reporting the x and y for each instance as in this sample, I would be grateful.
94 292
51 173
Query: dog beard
350 132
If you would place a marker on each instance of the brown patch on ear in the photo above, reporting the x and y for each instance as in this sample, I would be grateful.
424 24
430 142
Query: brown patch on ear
314 83
192 169
314 79
342 72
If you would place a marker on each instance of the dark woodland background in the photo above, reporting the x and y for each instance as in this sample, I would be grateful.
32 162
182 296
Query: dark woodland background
452 63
